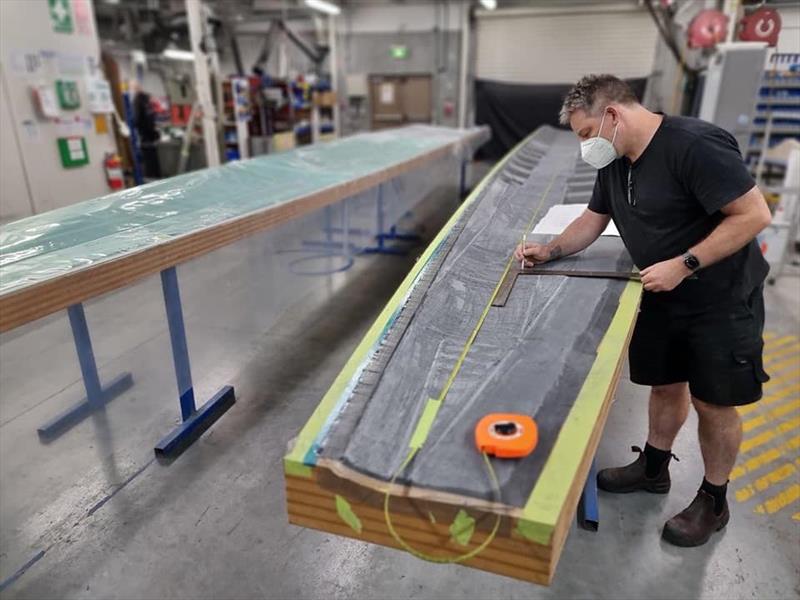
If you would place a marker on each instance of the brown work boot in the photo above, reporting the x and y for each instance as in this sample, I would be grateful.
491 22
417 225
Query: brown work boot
633 477
695 524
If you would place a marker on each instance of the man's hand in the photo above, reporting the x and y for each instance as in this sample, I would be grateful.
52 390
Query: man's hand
665 275
534 253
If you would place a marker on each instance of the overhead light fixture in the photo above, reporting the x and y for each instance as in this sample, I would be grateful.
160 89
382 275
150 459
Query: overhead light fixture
324 6
178 54
489 4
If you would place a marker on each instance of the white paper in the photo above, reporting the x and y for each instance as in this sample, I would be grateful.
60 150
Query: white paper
99 95
25 63
69 127
387 93
46 98
561 215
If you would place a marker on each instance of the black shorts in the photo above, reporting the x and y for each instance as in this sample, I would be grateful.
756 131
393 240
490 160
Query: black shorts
716 349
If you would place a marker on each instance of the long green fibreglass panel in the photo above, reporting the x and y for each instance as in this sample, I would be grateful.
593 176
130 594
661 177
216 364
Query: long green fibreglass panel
52 244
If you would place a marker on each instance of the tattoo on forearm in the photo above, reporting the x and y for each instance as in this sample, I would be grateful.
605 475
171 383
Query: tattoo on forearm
555 252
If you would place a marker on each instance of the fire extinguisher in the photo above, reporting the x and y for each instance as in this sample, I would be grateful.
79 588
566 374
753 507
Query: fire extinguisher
113 167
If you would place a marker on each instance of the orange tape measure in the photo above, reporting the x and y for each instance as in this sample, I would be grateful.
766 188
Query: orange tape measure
506 435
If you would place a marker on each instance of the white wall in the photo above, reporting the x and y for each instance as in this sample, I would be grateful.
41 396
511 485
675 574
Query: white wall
15 199
25 26
789 38
410 16
560 46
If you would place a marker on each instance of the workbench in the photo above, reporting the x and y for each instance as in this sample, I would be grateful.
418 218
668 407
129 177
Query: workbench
389 454
60 259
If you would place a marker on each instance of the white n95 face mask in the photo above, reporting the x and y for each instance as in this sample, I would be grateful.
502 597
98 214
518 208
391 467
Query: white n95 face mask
598 151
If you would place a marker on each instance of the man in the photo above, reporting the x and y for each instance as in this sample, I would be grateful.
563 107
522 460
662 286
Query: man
688 212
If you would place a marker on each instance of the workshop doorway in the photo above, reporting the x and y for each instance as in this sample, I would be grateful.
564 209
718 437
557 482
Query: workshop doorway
397 100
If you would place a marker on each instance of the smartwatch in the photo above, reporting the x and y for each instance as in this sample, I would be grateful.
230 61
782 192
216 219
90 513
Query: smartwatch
691 262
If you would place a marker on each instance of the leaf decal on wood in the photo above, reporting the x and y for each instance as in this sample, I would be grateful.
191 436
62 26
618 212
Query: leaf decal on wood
462 528
346 513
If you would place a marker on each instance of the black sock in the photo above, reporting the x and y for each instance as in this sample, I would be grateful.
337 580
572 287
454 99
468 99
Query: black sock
655 459
718 491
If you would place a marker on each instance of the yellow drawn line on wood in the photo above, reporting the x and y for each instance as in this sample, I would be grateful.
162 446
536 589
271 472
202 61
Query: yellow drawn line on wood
761 460
796 516
793 349
769 399
769 435
774 343
782 500
775 413
766 481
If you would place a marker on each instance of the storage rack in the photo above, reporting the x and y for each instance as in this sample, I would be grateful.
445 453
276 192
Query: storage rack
777 113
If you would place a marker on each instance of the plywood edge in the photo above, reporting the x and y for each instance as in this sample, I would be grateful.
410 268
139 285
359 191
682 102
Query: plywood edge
344 473
423 523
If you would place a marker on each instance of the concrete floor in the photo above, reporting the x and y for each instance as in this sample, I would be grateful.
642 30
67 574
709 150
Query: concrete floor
91 515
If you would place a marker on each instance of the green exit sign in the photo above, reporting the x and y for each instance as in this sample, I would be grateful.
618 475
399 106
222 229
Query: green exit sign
399 52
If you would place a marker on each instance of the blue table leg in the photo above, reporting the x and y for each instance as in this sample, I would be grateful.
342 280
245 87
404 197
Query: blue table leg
383 236
331 230
588 512
96 396
195 421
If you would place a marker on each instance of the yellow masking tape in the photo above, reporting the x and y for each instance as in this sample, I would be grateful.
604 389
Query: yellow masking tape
424 424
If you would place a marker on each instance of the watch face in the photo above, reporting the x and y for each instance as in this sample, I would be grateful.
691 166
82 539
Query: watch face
691 262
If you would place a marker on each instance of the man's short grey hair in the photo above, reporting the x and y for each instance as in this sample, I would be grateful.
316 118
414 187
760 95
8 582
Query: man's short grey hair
594 92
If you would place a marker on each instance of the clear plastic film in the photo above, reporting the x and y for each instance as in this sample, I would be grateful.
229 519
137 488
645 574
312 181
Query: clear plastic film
57 242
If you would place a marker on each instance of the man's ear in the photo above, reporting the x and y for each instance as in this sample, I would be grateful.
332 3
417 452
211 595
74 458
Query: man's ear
613 112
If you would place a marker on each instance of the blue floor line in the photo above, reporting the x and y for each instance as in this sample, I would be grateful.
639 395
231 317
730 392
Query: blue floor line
100 504
21 571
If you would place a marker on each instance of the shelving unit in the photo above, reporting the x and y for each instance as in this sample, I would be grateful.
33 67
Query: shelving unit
777 114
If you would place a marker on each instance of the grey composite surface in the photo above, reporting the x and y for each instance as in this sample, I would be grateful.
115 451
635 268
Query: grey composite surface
531 356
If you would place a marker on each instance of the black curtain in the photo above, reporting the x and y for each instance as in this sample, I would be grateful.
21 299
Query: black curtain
513 110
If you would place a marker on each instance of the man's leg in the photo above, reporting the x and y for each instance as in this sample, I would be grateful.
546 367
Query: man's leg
668 409
727 371
720 433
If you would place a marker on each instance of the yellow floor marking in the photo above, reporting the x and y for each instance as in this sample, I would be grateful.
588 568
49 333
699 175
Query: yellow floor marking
774 343
769 435
776 381
775 413
762 483
761 460
768 335
793 349
769 399
796 516
782 500
777 367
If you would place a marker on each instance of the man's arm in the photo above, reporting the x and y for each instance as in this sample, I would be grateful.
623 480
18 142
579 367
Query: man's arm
744 218
577 236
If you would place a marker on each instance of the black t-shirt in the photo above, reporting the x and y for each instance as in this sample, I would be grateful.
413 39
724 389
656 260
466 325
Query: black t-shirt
670 199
